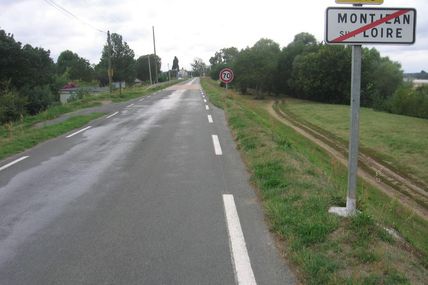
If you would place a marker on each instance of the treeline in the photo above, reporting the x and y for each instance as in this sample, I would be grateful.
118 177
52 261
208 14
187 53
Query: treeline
314 71
30 80
420 75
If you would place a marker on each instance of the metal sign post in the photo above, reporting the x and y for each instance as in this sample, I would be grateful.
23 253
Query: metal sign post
357 26
351 198
226 76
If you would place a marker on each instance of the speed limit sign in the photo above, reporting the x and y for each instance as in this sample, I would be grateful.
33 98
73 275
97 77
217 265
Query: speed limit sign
226 75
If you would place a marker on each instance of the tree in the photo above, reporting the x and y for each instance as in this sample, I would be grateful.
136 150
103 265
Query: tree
323 75
224 56
142 66
77 67
27 75
122 60
381 77
221 59
175 65
198 67
10 59
302 43
255 67
24 66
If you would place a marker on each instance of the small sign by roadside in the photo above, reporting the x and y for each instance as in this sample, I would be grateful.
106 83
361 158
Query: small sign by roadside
226 75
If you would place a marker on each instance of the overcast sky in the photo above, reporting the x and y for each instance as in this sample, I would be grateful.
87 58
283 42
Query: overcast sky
186 29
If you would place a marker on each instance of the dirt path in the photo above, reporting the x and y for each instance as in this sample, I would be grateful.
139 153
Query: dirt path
372 171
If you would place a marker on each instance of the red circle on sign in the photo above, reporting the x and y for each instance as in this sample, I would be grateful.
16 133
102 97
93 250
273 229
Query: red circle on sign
226 75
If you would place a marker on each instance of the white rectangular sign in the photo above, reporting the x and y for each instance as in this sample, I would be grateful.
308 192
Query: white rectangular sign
370 25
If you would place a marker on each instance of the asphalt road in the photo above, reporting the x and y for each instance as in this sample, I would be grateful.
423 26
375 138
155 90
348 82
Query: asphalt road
155 192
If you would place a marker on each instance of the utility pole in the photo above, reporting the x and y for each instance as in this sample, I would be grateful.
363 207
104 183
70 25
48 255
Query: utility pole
169 74
154 47
150 70
109 71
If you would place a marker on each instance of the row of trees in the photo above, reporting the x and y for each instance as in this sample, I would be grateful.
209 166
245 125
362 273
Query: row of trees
30 80
309 70
27 79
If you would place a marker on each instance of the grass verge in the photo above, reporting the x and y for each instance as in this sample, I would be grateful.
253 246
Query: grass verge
399 141
299 182
20 138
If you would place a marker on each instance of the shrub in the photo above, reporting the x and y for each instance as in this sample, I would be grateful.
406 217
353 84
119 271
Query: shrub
409 101
38 98
12 106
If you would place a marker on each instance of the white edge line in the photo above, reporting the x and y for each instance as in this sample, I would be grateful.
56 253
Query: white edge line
114 114
241 261
217 146
79 131
13 162
210 119
206 107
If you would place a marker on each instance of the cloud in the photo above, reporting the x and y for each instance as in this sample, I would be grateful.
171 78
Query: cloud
186 29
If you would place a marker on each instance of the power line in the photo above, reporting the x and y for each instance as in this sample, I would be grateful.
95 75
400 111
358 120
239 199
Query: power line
70 14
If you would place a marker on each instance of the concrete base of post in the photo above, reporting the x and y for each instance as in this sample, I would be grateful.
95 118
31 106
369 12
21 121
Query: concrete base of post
349 210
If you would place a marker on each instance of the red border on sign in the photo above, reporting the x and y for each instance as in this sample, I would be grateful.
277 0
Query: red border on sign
370 26
231 72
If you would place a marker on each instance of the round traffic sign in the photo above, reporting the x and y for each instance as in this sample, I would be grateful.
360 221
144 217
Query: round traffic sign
226 75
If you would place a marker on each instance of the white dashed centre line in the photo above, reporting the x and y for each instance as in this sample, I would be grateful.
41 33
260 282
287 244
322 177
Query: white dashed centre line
114 114
206 107
130 105
205 101
78 132
217 146
210 119
240 259
13 162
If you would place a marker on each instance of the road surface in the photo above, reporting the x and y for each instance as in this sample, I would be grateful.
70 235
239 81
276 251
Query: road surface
152 193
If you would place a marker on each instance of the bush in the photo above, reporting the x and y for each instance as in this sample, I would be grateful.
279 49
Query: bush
12 106
409 101
38 99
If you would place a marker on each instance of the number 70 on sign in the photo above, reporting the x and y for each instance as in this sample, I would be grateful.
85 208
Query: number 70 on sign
226 75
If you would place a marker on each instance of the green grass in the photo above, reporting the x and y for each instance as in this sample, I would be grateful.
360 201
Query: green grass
299 182
401 141
20 138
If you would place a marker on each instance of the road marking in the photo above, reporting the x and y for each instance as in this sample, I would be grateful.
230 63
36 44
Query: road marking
205 101
114 114
78 132
13 162
206 107
210 119
240 259
130 105
217 146
141 99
